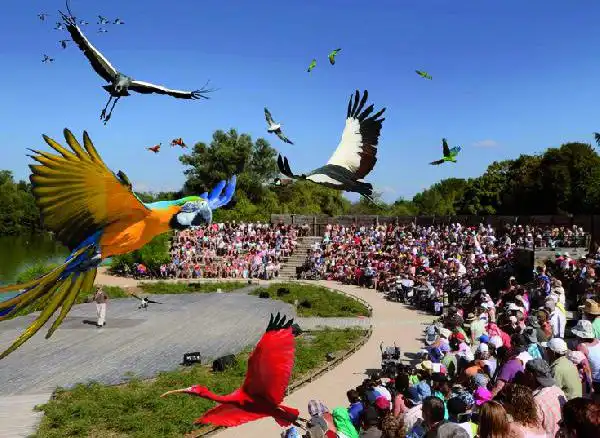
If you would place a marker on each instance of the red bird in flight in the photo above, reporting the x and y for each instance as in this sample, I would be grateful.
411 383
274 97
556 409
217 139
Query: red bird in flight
269 370
155 148
178 142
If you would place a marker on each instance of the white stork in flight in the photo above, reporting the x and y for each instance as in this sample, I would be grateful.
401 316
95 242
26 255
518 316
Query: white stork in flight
275 128
119 84
355 155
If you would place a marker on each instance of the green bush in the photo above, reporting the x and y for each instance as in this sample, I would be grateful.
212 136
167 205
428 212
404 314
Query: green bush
163 287
314 300
35 270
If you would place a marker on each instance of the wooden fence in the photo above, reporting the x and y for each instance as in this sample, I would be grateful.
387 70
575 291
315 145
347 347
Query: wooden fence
317 223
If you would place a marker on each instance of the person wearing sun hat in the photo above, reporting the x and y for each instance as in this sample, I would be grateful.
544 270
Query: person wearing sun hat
590 347
548 397
564 372
591 310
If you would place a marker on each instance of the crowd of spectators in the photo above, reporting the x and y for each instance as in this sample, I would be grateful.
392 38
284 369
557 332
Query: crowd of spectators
230 250
530 236
494 365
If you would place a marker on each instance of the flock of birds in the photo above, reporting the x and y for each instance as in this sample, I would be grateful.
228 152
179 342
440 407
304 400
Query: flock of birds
353 159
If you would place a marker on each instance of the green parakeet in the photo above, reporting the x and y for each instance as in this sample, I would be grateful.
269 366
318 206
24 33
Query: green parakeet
449 154
332 56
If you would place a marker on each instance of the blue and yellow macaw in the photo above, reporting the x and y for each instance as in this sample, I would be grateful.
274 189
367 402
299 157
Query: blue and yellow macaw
96 215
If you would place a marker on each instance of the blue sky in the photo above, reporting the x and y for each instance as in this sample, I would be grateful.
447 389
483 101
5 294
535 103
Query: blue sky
509 77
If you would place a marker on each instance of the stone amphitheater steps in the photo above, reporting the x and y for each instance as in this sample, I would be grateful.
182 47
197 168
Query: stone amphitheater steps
288 270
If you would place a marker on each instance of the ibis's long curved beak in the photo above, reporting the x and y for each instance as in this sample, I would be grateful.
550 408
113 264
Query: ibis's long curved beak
174 391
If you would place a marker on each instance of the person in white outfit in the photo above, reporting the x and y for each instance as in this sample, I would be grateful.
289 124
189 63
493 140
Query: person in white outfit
101 299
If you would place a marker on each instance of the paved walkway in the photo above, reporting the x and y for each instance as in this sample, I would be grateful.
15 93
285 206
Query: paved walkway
147 341
392 322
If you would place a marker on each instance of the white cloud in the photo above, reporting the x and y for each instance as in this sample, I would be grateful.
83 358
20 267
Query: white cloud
485 144
386 190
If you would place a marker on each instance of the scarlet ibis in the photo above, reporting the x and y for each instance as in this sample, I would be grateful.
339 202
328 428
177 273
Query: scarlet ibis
155 148
269 370
119 83
275 128
178 142
355 156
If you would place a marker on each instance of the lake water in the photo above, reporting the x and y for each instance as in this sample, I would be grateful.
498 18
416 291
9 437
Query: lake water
18 252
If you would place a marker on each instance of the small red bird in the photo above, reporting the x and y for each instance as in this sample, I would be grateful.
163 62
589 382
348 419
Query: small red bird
178 142
155 148
269 370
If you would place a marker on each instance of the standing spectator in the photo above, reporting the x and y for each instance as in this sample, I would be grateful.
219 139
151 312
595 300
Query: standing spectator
548 397
101 299
557 319
513 367
590 347
563 370
493 421
592 313
341 420
370 423
581 418
356 407
521 406
433 415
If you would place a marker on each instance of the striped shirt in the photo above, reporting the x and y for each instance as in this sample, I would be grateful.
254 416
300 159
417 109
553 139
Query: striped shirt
549 401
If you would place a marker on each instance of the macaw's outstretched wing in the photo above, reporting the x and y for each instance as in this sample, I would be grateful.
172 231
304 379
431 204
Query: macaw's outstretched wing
221 194
77 194
437 163
445 147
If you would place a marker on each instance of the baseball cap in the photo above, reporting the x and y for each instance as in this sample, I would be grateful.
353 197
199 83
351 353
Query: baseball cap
382 403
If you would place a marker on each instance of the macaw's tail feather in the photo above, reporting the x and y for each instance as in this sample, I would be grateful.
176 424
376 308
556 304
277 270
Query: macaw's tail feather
59 288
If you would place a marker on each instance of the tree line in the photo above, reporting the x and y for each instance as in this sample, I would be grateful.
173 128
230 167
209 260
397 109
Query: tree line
563 180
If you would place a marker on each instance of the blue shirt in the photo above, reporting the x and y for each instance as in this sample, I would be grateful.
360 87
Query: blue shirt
354 412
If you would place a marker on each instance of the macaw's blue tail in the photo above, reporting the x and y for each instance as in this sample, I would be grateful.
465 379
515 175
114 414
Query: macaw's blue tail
58 288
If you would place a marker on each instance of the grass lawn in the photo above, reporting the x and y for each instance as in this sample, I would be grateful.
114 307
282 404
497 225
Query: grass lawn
162 287
315 300
136 410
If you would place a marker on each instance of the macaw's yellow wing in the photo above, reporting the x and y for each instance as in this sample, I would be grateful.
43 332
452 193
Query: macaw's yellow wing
77 194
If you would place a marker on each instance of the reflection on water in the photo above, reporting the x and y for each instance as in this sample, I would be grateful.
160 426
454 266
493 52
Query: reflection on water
18 252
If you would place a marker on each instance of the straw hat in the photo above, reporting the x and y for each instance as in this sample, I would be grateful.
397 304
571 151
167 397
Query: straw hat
591 307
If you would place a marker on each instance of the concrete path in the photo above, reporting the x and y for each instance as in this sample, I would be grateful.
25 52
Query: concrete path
214 324
391 322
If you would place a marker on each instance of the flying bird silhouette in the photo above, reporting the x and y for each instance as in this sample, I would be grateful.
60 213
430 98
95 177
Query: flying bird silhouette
47 59
355 156
59 26
269 370
63 43
312 65
178 142
43 16
275 128
423 74
102 30
332 56
144 302
95 214
83 23
120 84
102 21
449 154
155 148
118 21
